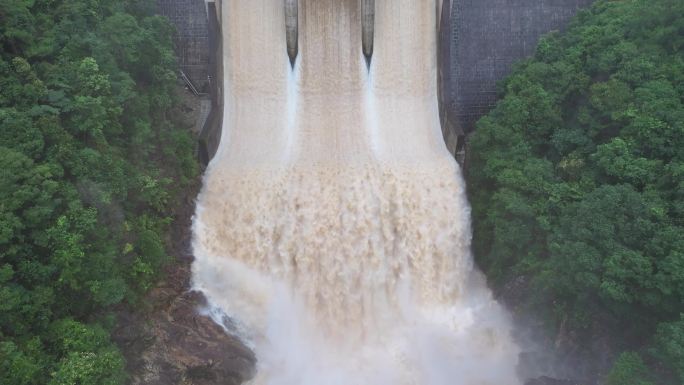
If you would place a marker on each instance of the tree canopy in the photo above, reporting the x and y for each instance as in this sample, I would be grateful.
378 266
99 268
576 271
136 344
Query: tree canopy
89 158
577 179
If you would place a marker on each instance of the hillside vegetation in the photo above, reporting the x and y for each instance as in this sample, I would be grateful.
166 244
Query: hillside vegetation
89 159
577 183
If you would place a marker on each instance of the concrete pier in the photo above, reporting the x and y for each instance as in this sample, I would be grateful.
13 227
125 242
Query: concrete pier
368 27
292 29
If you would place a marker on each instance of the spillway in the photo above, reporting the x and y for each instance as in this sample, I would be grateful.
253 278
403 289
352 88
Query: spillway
333 227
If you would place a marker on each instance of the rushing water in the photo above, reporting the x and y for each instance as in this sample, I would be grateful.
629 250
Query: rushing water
333 225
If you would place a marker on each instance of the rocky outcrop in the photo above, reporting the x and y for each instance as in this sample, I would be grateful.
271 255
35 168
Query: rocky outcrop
165 339
177 345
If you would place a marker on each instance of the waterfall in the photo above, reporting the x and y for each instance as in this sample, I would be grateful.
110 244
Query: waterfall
333 226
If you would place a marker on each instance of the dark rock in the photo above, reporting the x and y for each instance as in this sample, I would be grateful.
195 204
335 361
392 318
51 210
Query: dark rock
166 341
177 345
193 348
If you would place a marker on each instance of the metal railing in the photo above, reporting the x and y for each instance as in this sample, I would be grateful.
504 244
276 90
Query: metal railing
192 87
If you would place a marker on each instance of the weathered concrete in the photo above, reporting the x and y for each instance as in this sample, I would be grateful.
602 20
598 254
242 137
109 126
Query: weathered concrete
451 130
292 29
191 39
487 37
479 42
367 27
210 136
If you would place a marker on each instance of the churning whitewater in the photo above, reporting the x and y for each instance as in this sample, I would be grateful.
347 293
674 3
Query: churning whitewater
333 227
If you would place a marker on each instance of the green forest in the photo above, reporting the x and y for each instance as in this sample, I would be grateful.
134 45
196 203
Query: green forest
576 179
90 159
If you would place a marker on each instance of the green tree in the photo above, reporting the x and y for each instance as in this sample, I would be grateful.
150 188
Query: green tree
90 161
577 180
670 345
629 369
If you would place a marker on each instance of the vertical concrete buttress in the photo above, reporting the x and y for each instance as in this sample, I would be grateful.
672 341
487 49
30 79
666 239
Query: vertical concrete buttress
292 29
367 27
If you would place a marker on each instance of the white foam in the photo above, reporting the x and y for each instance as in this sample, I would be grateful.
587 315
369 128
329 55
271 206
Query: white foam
333 228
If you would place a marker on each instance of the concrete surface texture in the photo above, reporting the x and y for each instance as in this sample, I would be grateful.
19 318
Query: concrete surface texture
487 37
480 42
192 38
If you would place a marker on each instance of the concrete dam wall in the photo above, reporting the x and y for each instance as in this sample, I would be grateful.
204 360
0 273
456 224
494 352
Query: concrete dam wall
191 20
480 40
487 38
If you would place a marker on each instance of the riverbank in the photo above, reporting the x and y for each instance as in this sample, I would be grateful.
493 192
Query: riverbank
167 340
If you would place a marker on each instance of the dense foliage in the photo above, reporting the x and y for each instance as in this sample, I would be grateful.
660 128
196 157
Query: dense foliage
577 181
86 87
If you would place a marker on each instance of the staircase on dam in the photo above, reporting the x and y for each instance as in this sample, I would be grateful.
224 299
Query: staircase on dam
191 40
198 47
480 42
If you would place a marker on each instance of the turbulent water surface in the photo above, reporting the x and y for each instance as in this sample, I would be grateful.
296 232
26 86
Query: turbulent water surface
333 226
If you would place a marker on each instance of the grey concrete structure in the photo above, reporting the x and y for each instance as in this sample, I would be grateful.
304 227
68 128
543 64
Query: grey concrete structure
192 39
486 38
368 27
451 130
210 136
479 42
292 29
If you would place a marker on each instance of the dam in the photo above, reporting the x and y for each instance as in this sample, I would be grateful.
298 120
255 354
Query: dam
480 40
333 228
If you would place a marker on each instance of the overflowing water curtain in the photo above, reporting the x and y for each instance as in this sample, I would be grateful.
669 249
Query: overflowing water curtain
333 227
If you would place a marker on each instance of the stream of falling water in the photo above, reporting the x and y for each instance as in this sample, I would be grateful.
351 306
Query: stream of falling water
333 226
